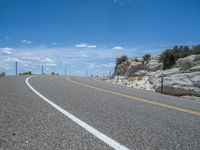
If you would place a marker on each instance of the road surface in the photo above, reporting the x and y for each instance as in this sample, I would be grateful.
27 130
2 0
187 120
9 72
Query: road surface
55 112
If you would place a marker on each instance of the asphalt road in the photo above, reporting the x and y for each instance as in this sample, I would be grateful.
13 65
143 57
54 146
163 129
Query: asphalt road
132 118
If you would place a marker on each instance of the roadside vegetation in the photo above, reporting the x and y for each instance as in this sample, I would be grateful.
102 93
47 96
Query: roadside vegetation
26 73
122 59
168 57
2 74
53 73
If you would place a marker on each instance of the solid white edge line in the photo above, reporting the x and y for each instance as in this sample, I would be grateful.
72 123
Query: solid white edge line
112 143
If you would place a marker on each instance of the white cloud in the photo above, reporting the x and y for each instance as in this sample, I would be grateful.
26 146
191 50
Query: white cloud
91 46
117 48
80 59
84 45
85 55
12 59
6 51
91 65
31 58
4 65
26 42
50 64
109 65
48 60
81 45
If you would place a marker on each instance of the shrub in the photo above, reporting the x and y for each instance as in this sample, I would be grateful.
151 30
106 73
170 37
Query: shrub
26 73
196 49
146 57
122 59
2 74
170 56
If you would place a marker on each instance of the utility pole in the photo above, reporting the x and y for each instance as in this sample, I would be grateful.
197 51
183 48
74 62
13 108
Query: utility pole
42 72
86 73
65 72
16 67
189 87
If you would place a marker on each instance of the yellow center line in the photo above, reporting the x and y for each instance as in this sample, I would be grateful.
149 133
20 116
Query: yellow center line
138 99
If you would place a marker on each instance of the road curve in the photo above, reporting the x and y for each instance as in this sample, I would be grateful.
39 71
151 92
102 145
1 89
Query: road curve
29 122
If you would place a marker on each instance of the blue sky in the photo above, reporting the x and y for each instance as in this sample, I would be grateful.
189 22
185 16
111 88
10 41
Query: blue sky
88 35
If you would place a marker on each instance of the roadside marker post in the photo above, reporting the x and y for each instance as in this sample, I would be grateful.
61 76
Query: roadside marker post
162 83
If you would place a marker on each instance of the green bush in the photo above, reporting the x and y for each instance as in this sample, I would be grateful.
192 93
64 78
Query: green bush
122 59
2 74
196 49
170 56
146 57
26 73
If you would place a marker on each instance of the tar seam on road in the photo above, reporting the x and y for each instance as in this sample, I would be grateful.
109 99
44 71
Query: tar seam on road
112 143
137 98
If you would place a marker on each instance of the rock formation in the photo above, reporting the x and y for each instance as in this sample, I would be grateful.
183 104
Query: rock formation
182 79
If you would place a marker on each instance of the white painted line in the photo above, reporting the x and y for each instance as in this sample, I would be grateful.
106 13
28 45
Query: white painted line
112 143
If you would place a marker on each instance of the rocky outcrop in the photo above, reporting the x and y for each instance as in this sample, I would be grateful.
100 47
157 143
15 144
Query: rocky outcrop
136 82
153 64
181 80
139 73
121 69
134 67
188 62
178 84
195 68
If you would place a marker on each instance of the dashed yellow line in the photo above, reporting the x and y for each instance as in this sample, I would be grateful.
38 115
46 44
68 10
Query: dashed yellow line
138 99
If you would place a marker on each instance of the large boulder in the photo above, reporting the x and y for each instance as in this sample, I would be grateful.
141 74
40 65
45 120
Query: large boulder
134 67
188 62
179 91
197 58
195 68
154 65
178 84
